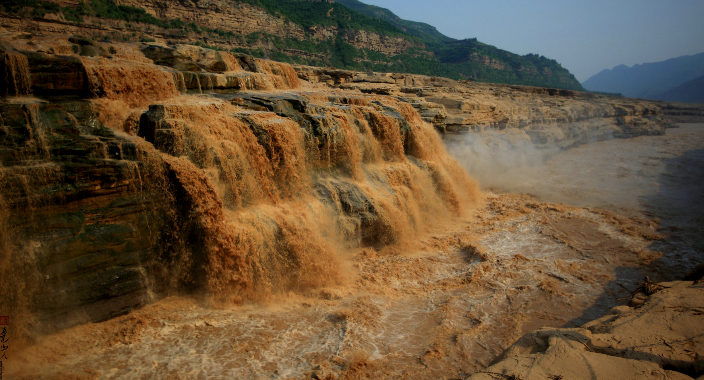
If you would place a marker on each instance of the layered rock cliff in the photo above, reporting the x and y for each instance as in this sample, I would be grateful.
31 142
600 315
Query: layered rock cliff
547 118
132 171
118 188
309 32
227 25
682 112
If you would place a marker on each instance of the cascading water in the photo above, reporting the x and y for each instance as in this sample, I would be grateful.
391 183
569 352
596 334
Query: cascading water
134 83
320 224
276 184
17 79
226 198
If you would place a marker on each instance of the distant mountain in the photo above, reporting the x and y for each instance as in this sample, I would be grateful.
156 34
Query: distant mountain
688 92
648 80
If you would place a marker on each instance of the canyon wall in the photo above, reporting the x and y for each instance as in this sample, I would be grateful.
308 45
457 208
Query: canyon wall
314 33
133 171
123 182
226 22
245 19
543 117
682 112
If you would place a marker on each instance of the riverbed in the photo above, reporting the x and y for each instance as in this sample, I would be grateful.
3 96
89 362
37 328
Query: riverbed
556 246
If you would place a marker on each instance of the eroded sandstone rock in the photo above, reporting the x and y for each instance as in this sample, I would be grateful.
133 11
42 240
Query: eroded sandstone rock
223 194
118 187
663 338
548 117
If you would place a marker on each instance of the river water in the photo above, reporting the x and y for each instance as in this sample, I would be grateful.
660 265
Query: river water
557 245
658 177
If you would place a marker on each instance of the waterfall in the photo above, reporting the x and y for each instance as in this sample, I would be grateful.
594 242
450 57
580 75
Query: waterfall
17 76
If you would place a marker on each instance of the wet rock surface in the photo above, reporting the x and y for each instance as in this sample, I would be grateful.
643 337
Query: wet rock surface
80 202
320 230
113 200
446 307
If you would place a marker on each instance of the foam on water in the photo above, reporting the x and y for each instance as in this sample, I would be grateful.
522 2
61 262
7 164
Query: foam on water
264 219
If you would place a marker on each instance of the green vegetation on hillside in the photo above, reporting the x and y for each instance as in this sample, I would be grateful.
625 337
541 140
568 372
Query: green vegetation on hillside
471 59
426 33
312 13
481 62
441 56
341 54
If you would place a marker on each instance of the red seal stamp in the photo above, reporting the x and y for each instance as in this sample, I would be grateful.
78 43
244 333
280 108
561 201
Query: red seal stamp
5 320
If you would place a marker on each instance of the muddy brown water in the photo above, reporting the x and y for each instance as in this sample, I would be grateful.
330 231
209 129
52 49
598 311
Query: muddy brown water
649 176
599 218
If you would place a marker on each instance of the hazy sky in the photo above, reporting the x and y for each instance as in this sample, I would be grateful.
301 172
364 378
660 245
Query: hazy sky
584 36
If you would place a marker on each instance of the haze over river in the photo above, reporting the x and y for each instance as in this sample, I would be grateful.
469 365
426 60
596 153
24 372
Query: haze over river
599 218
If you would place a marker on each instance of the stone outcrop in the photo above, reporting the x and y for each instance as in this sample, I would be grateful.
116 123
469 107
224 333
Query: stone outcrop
131 171
363 39
236 18
209 69
661 338
540 116
682 112
148 170
80 207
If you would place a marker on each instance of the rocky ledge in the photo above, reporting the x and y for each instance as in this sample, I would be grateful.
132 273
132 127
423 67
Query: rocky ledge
661 337
131 171
543 117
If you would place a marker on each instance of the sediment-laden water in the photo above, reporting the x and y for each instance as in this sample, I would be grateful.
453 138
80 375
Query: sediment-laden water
443 303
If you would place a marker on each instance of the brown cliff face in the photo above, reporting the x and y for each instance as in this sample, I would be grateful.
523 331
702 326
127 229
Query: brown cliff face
362 39
111 172
486 61
129 172
541 116
233 16
123 181
245 19
237 18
